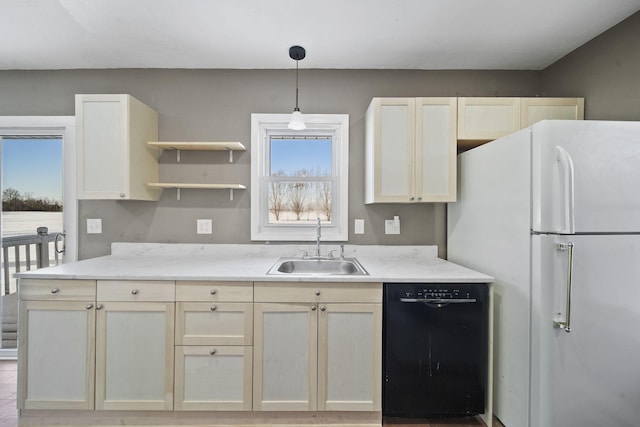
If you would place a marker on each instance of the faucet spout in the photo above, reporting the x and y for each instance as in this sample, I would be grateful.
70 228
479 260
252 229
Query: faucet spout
318 234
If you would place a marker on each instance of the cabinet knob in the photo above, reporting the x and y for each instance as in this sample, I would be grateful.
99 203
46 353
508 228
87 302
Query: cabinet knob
122 195
314 308
89 306
99 306
419 198
212 351
213 292
323 308
134 292
317 293
412 198
213 308
55 290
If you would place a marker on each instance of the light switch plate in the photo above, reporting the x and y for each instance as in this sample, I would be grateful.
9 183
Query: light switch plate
94 226
204 226
358 227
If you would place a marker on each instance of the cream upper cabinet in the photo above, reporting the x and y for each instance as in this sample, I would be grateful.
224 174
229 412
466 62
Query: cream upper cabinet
56 350
135 345
532 110
410 150
487 118
114 160
321 353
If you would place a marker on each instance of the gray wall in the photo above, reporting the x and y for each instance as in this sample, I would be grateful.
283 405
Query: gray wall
606 71
215 105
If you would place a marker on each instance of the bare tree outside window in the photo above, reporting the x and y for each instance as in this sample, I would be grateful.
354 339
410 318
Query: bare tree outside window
277 196
324 199
298 198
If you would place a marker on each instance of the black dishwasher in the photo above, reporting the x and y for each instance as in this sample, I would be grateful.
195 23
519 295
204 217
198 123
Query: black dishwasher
435 349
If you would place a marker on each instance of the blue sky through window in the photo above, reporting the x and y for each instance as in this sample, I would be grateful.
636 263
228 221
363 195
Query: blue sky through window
33 166
291 155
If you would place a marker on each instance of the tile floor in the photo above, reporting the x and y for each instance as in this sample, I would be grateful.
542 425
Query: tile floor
9 413
8 381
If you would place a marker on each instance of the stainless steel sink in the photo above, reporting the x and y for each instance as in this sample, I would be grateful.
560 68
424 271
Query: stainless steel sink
319 267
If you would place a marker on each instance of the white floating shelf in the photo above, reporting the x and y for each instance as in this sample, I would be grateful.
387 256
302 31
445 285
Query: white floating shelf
180 185
200 146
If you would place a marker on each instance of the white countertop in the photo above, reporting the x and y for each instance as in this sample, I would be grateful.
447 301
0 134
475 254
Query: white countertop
235 262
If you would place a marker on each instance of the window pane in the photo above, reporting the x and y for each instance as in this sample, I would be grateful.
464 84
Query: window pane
299 202
300 157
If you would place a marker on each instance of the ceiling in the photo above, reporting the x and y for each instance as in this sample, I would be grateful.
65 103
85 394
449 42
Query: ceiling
337 34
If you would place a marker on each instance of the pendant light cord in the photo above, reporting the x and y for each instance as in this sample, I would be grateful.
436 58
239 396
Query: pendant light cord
297 109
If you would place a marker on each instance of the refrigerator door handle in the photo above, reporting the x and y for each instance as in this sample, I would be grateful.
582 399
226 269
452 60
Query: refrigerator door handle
566 325
567 165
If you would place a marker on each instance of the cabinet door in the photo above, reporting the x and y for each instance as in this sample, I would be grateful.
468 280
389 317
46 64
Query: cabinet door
213 378
390 150
285 357
56 354
435 149
533 110
134 355
102 146
350 357
202 323
114 160
486 119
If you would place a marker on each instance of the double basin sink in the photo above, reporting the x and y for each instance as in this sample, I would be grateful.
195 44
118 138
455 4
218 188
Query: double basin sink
315 266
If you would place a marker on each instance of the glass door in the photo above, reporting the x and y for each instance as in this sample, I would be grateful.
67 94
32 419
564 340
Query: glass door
38 219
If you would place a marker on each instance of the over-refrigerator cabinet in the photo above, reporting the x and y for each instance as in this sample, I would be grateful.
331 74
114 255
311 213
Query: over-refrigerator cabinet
553 213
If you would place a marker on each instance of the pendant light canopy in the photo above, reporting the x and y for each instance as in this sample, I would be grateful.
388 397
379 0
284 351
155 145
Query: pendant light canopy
296 122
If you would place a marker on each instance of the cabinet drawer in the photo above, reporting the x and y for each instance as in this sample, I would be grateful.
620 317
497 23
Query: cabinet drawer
214 291
136 290
206 323
53 289
317 292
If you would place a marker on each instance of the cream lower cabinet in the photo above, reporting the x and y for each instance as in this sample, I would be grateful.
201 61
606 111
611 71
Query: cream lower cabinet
57 345
214 346
314 350
134 345
410 150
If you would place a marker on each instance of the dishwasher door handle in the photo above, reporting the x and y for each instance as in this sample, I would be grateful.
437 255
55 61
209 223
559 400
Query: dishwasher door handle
439 300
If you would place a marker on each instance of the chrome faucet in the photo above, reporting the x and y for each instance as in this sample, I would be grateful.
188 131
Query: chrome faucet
318 234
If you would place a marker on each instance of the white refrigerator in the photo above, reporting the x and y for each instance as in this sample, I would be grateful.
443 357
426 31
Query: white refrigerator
553 213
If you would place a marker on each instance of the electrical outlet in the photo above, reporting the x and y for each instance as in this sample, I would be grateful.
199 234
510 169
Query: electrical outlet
358 227
94 226
392 226
204 226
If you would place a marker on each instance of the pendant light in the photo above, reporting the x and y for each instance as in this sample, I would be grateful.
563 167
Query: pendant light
297 121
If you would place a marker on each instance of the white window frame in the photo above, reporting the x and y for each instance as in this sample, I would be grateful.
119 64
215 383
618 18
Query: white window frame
262 126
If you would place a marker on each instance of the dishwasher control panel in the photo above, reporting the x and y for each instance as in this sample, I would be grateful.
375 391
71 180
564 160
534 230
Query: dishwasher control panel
444 291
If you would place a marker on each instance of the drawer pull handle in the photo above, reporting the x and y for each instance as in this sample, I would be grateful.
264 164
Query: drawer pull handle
317 293
55 290
134 292
212 351
213 308
213 292
89 306
99 307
